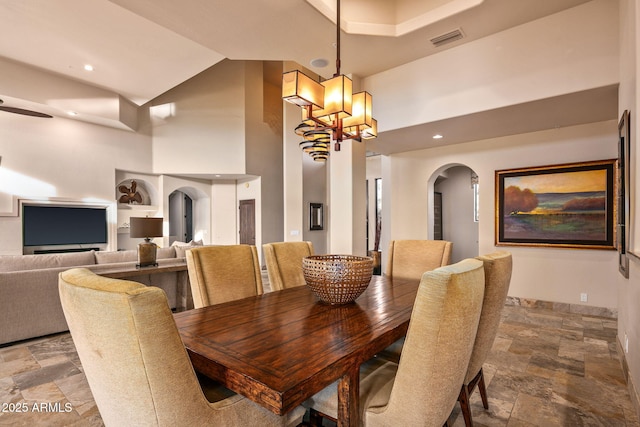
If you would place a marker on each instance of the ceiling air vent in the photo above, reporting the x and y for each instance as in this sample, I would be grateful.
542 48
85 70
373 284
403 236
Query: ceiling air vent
449 37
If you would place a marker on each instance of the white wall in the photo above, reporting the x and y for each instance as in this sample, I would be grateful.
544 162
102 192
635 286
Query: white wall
293 181
62 159
540 273
314 185
264 148
200 126
570 51
224 225
347 200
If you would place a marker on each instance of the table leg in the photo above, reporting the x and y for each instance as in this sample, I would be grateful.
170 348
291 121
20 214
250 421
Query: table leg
349 398
185 300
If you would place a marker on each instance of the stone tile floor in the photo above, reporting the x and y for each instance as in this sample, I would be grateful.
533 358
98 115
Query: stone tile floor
546 368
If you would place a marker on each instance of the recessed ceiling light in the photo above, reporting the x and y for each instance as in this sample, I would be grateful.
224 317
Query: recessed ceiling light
88 67
437 136
72 113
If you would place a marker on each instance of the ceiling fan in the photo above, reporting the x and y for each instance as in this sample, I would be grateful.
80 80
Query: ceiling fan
23 111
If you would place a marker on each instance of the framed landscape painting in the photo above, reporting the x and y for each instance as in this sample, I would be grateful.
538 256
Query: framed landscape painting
569 205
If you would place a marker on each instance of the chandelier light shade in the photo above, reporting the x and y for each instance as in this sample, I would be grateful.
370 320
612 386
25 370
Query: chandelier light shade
338 95
302 90
360 118
330 109
372 132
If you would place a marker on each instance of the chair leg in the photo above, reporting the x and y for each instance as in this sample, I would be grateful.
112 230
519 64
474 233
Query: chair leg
315 419
463 398
483 390
478 380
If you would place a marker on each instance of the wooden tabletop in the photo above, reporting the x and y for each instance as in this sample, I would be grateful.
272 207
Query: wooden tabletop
280 348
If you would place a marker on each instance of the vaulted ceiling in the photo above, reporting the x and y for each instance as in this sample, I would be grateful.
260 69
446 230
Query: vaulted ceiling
141 48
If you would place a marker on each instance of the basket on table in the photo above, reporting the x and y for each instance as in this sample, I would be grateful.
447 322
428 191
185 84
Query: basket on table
337 279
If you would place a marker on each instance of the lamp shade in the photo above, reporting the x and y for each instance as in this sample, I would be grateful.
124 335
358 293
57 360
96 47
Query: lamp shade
370 132
145 227
360 112
302 90
338 97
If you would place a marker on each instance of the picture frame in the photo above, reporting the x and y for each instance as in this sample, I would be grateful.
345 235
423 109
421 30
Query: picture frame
624 183
569 205
316 216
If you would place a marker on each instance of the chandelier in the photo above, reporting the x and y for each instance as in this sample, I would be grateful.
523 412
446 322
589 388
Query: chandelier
330 109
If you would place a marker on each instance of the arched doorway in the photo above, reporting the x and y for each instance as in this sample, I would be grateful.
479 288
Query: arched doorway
454 209
180 217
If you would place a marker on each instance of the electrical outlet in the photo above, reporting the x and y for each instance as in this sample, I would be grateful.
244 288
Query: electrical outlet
583 297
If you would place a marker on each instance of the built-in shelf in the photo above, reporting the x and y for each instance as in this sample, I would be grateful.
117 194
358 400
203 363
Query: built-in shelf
147 208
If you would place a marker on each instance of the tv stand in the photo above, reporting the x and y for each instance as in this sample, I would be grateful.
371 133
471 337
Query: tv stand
62 250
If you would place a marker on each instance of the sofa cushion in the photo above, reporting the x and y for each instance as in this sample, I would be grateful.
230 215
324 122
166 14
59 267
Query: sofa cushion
40 261
182 247
108 257
164 253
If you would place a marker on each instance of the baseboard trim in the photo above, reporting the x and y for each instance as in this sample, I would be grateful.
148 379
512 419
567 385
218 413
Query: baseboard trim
587 310
633 391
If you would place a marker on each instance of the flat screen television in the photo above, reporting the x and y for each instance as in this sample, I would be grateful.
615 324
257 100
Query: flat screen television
63 225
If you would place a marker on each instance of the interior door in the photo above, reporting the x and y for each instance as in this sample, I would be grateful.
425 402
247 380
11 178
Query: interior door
437 216
248 222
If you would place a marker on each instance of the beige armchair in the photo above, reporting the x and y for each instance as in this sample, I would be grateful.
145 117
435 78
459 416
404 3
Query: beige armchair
284 263
497 272
422 389
219 274
135 362
410 258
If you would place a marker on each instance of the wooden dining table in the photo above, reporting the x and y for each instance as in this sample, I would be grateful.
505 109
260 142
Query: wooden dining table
280 348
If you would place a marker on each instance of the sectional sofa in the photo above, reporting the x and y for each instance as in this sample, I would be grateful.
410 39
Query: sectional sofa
29 301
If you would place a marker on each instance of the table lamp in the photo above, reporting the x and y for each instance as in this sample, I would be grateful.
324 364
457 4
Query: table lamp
146 228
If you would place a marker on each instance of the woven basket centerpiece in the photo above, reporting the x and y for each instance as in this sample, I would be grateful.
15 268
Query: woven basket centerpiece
337 279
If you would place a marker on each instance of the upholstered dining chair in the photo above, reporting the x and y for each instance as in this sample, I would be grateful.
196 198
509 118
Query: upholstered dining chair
136 365
219 274
497 273
408 259
284 263
423 387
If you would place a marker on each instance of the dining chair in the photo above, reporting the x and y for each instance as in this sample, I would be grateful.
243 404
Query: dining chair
219 274
423 387
408 259
497 273
284 263
134 360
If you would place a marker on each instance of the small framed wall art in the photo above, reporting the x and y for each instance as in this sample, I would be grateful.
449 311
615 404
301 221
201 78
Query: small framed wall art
316 217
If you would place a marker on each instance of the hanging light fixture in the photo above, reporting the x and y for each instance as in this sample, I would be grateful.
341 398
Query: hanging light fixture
330 109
